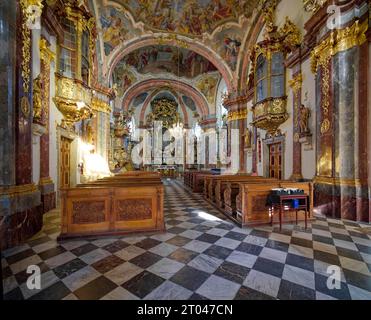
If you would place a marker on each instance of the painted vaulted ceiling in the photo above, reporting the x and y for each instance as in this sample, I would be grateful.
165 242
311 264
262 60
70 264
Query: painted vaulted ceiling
195 41
189 17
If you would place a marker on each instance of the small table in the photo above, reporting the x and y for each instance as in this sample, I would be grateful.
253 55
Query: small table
284 203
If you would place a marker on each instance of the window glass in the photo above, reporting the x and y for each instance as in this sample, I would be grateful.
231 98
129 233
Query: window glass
277 63
262 90
277 86
261 68
85 57
67 59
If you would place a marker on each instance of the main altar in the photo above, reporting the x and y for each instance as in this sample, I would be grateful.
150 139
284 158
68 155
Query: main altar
165 171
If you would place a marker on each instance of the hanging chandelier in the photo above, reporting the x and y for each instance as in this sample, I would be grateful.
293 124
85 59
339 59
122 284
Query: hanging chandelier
177 130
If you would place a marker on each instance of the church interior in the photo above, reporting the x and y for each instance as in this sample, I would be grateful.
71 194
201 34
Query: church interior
185 150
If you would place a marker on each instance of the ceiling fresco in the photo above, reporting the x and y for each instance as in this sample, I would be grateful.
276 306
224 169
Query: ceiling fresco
189 103
115 28
188 17
122 78
140 99
167 59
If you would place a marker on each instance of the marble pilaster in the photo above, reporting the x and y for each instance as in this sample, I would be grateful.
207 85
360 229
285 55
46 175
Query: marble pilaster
46 185
20 210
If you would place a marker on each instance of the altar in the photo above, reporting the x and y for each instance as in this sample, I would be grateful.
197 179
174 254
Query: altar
165 171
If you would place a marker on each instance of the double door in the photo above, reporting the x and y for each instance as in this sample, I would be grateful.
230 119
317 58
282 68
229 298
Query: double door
275 161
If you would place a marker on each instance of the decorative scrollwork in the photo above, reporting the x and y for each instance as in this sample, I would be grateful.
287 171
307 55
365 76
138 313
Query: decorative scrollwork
313 5
37 100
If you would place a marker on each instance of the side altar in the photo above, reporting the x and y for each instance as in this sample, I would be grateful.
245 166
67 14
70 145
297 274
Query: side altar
126 203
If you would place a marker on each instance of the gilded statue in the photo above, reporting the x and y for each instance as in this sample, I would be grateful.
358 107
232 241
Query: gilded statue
37 101
304 119
248 136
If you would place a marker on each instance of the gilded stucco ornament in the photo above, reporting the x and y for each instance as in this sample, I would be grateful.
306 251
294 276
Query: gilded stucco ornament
291 34
269 16
37 100
237 115
337 41
164 110
170 38
313 5
296 84
270 114
31 11
45 53
73 100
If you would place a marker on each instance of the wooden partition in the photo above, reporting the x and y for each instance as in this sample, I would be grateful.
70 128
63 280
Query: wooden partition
122 204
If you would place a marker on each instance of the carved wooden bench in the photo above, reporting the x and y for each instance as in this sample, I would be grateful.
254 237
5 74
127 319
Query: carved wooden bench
250 202
122 204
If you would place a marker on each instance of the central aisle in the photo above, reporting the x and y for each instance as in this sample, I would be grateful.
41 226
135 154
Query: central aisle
201 256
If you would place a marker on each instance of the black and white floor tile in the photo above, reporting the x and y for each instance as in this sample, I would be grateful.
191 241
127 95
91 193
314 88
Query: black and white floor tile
201 256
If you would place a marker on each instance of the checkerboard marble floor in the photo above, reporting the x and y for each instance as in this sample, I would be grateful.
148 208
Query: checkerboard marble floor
201 256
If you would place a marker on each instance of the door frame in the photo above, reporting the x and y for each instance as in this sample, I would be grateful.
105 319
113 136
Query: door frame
61 132
266 161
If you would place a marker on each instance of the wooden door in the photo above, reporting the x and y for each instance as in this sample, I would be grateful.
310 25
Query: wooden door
275 161
65 163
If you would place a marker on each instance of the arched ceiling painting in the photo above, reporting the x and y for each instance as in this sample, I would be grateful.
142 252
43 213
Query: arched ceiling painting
140 40
188 17
167 59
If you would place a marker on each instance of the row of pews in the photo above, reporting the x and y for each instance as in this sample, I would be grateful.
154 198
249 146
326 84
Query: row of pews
125 203
195 179
243 198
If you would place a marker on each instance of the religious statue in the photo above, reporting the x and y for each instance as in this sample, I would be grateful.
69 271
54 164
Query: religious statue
248 136
123 161
37 101
304 119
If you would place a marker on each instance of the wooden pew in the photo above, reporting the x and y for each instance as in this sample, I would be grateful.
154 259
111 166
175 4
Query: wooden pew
250 202
215 186
233 189
195 180
122 204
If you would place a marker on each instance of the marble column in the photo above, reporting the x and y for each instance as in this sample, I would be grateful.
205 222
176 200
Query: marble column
7 96
341 188
237 115
209 127
325 201
46 185
255 151
296 85
362 162
20 210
